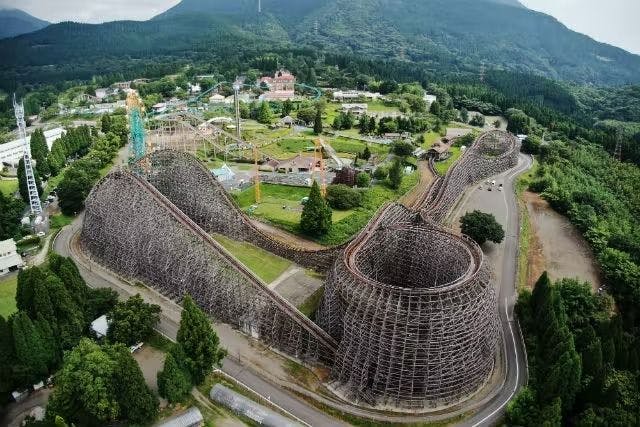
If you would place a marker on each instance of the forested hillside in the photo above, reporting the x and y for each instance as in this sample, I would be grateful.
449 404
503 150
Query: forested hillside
455 36
582 349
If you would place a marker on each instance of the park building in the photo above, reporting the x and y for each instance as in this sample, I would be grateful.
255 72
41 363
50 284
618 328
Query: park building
280 87
10 259
355 109
12 151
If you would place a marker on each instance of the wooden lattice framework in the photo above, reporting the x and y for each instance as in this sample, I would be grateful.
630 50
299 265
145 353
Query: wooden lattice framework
409 317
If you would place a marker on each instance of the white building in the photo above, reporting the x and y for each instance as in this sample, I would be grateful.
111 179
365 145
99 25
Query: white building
224 173
355 109
196 88
160 107
101 93
100 326
10 259
12 151
347 95
429 99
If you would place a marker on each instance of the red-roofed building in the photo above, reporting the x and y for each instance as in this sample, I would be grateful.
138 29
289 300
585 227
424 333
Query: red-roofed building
281 86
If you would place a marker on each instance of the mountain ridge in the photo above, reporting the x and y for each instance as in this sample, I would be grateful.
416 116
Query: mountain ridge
455 35
14 22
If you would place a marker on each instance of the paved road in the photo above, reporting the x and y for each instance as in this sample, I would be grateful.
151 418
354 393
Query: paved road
503 259
169 324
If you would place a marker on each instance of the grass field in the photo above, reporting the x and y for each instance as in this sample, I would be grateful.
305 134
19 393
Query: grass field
59 221
444 166
8 186
288 147
264 264
345 223
8 295
333 109
522 184
429 139
281 205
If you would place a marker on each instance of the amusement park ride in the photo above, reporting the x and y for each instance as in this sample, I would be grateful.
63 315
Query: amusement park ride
142 145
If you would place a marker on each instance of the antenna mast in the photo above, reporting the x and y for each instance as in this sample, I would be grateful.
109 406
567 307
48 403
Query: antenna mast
34 198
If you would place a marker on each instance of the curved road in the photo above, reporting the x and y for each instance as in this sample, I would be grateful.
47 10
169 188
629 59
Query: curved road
504 260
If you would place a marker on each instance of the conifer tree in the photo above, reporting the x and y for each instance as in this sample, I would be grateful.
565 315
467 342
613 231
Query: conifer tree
316 214
199 341
395 175
317 122
40 151
173 382
29 347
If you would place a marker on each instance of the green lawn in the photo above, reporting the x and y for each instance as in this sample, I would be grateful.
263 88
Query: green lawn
353 146
281 205
443 167
59 221
429 139
8 295
345 223
288 147
8 186
264 264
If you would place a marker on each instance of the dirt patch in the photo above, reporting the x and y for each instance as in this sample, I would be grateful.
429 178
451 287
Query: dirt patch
151 361
417 192
557 246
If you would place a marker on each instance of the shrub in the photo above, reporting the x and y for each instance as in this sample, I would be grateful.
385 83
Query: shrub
381 173
363 180
342 197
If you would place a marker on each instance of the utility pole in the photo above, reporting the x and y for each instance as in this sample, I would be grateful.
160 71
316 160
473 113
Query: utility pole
483 70
259 6
236 93
34 198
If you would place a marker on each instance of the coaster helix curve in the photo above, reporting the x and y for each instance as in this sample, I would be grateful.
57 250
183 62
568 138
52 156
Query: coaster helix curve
409 309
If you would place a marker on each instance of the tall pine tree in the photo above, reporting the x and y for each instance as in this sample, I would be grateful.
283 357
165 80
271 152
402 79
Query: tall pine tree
22 181
30 348
198 340
40 152
316 214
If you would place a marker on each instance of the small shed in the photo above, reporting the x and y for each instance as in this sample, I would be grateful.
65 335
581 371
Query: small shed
440 151
287 121
100 326
239 404
192 417
224 173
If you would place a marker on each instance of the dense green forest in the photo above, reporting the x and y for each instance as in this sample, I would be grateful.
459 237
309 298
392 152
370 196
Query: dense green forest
452 35
583 347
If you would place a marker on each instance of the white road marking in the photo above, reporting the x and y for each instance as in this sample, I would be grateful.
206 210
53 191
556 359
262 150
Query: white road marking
515 386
